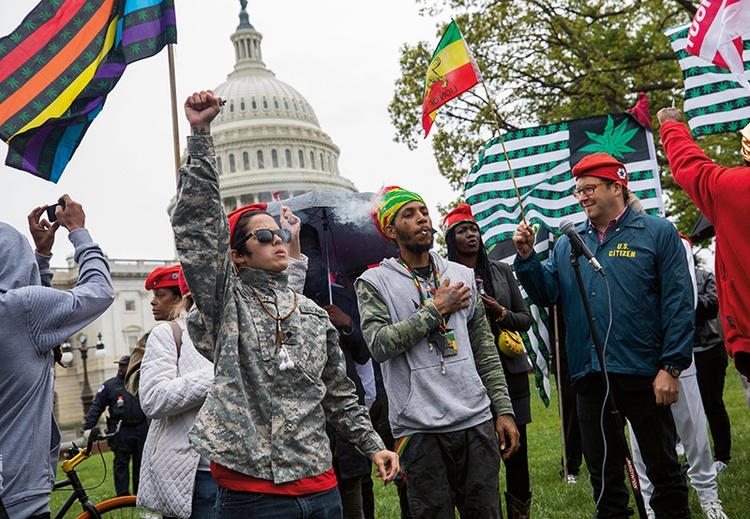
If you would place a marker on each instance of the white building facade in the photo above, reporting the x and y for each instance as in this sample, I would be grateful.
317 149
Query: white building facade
268 143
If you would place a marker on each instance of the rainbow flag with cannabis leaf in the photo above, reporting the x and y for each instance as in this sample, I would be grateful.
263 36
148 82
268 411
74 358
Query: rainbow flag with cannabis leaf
59 65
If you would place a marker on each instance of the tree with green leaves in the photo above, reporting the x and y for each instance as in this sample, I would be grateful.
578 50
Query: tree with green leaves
547 61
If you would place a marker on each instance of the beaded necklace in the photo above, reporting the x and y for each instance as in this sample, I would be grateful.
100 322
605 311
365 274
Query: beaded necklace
442 327
281 351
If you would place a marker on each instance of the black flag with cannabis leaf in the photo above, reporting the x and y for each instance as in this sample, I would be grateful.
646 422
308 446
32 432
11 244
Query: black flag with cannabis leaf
542 159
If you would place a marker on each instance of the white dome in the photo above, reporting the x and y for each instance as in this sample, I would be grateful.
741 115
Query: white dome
257 94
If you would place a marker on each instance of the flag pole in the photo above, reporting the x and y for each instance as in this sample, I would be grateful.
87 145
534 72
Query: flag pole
558 370
505 152
173 97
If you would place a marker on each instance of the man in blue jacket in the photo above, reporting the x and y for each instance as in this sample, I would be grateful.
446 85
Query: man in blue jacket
644 319
35 319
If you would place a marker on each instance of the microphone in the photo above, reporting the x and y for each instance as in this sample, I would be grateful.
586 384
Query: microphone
568 228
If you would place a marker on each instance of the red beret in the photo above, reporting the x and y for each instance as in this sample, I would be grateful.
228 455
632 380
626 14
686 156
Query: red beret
462 213
235 215
601 165
184 290
163 277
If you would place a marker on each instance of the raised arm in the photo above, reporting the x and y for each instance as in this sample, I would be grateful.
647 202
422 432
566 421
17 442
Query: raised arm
200 225
54 315
43 234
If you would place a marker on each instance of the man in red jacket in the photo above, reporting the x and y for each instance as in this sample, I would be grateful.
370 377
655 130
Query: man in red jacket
723 196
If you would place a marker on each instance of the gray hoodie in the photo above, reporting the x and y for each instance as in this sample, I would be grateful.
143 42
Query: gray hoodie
33 320
421 397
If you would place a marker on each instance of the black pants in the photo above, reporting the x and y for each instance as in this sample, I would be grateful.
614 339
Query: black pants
711 366
653 426
571 427
458 469
517 469
128 444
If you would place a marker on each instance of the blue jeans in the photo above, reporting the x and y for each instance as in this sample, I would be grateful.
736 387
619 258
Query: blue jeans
204 495
242 505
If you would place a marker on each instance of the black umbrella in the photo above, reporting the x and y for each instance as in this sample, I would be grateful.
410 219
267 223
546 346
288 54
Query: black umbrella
702 229
348 237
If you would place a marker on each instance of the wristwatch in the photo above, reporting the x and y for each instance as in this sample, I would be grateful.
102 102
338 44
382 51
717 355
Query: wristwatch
672 370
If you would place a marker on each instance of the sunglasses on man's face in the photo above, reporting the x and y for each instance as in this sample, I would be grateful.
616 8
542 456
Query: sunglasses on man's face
266 236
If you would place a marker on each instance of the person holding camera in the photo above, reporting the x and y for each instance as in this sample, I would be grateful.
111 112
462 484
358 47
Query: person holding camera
35 320
129 441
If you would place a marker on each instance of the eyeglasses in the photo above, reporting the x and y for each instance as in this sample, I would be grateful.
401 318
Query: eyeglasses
587 190
266 236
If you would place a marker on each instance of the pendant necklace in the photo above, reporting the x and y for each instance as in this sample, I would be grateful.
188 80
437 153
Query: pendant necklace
286 361
442 341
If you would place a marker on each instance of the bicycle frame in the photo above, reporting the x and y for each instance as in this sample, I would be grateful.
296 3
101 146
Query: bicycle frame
78 494
68 466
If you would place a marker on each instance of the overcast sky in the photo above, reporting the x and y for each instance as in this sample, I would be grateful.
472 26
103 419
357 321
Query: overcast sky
342 56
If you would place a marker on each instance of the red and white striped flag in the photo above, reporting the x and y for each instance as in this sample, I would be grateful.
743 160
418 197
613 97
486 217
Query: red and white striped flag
716 35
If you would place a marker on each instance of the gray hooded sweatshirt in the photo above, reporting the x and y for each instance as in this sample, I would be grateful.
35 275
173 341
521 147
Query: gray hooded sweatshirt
421 397
33 320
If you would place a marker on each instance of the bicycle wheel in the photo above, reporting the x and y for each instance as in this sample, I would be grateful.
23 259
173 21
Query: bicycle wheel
116 508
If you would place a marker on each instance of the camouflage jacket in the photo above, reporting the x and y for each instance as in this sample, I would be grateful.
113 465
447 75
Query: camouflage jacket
257 419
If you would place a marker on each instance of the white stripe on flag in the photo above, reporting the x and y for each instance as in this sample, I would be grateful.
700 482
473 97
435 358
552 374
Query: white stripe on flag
714 101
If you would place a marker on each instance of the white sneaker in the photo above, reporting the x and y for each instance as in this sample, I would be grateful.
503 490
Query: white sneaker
680 449
720 466
572 478
713 510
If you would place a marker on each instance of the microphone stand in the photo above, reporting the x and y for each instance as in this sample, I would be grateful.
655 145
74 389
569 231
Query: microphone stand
610 401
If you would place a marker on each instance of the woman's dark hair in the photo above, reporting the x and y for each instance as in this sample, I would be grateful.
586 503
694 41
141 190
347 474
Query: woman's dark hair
240 231
482 269
175 291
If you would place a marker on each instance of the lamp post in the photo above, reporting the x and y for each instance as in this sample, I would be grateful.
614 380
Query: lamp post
87 396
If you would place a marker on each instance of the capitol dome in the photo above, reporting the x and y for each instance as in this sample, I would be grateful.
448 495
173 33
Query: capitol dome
267 136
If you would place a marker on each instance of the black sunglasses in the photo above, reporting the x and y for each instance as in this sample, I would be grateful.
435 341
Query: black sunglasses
266 236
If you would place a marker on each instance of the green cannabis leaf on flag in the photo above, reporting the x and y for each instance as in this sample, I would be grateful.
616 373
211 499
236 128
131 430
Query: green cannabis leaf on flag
614 140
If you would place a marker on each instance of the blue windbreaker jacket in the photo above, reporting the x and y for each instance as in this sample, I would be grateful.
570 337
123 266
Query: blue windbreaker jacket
652 314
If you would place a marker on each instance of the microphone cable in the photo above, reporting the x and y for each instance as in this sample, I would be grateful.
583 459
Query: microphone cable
606 396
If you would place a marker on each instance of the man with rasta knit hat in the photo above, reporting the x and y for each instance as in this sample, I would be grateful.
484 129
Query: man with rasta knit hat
644 319
422 319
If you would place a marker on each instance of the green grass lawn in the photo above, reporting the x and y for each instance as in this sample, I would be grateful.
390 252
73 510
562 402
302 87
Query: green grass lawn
552 499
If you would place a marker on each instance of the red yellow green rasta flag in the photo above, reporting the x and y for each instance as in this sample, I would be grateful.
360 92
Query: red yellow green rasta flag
452 72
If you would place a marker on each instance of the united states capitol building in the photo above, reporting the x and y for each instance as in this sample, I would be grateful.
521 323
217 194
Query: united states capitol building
268 141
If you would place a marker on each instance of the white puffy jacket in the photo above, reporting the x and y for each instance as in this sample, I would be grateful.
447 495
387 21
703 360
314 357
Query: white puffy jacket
171 391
